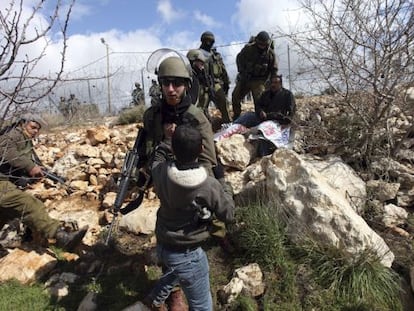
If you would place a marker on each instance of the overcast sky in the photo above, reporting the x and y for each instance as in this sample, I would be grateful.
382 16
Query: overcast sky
133 29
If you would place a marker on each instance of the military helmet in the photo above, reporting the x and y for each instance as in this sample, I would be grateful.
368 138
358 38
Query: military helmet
196 54
263 37
137 84
173 67
207 35
28 117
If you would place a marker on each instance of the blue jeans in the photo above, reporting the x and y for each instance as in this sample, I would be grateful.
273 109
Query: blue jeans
190 270
248 119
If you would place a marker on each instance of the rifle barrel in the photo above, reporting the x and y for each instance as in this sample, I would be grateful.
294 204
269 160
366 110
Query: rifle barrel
54 177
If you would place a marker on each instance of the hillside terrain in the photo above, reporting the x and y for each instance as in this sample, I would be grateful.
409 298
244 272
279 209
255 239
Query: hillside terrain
90 156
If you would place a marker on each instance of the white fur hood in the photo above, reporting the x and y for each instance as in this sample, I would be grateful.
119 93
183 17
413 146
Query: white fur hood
188 178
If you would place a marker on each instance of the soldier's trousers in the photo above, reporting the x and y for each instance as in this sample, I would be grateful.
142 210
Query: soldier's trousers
14 203
203 100
257 87
220 101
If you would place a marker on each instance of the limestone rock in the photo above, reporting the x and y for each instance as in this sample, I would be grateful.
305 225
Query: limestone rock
26 267
235 151
98 135
318 210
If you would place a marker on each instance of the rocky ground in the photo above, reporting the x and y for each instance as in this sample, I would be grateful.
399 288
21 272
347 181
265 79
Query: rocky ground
91 156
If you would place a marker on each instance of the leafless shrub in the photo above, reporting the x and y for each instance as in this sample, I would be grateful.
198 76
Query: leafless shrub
362 51
22 32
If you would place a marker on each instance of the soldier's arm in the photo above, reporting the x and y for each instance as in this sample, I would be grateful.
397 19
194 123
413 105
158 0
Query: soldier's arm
240 61
225 77
273 65
291 110
11 155
208 156
259 106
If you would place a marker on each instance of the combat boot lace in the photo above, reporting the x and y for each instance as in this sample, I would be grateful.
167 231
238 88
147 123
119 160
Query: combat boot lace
68 240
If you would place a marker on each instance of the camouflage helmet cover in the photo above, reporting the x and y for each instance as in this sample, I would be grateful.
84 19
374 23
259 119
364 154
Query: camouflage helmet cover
173 67
196 54
207 35
27 117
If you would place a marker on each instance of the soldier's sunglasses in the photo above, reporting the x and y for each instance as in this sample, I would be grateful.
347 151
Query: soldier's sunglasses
176 82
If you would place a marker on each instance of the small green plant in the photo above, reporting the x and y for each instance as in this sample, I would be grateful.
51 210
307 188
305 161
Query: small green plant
262 240
358 283
244 303
262 235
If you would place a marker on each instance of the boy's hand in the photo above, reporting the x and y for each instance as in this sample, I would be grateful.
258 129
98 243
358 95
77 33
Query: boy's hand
169 129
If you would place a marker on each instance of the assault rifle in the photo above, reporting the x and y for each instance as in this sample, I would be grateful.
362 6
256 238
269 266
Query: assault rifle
57 179
23 181
53 177
130 170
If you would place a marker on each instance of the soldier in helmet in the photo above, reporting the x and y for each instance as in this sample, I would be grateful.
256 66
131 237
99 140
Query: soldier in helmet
17 165
154 91
63 107
176 107
217 70
204 80
138 95
73 104
256 63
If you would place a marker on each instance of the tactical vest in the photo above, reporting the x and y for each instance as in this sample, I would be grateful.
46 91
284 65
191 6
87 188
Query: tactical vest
218 69
258 65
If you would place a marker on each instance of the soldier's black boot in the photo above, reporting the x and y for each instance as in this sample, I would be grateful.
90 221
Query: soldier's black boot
68 240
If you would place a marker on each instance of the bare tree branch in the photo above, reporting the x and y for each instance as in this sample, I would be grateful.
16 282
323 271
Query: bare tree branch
21 32
362 49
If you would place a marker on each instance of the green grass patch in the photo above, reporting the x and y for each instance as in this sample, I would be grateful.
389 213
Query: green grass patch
15 296
358 283
262 239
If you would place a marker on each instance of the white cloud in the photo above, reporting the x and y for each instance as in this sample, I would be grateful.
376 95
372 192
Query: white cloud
168 13
253 16
86 55
80 10
206 19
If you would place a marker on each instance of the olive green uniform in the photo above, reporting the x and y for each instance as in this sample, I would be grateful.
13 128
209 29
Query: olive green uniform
156 115
221 79
255 66
16 151
205 89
